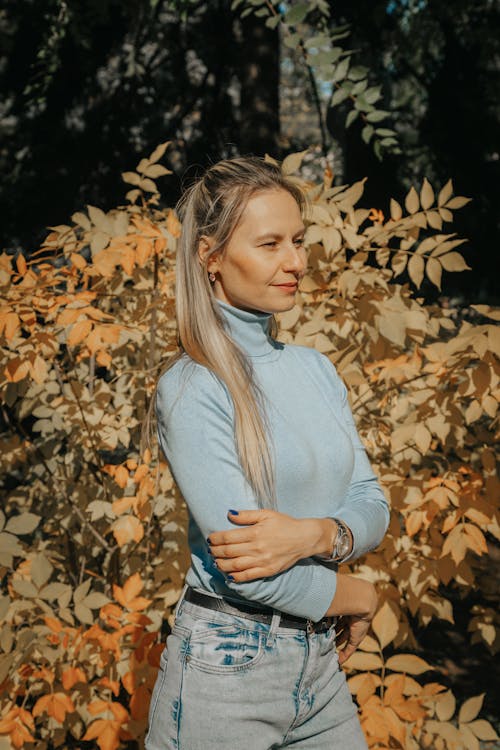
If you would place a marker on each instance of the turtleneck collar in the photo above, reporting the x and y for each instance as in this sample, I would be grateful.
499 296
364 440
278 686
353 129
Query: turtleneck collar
250 330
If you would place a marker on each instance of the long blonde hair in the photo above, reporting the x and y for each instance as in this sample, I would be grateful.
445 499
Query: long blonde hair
213 206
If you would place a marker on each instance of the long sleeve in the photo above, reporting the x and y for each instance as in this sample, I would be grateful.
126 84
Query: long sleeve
196 435
365 509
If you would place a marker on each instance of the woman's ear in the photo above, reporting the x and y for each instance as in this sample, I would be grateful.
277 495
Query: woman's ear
205 245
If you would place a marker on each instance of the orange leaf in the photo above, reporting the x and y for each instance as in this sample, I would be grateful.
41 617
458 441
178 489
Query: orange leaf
79 332
105 732
123 504
56 705
127 596
126 529
71 676
113 685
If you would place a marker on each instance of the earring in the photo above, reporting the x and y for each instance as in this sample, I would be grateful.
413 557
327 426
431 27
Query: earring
211 276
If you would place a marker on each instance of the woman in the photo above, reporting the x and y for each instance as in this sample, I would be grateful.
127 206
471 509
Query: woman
262 444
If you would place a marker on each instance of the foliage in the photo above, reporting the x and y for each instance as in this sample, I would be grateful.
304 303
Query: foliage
93 538
327 60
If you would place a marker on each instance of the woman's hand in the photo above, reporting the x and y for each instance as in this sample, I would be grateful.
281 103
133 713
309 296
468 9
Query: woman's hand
269 542
350 629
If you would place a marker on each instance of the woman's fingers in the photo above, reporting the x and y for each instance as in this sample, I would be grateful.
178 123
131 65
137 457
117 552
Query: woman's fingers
251 574
230 550
236 564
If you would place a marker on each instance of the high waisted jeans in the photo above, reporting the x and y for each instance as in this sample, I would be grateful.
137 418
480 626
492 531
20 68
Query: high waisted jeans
230 683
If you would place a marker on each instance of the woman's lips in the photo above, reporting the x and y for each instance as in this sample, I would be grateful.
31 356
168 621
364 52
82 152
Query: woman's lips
287 287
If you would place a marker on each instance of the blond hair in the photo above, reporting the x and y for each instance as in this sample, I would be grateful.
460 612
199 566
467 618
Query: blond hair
213 206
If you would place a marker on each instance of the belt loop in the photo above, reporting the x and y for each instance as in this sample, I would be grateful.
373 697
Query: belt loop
181 599
273 627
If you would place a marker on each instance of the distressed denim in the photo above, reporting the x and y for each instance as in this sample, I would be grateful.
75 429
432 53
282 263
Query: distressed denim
230 683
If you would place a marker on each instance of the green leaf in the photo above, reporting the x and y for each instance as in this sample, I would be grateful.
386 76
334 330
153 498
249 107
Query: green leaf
273 21
339 96
297 13
341 70
367 133
359 87
358 72
376 116
351 117
291 40
372 94
317 41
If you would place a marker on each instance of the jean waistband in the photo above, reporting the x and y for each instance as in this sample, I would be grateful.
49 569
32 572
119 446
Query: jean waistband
260 613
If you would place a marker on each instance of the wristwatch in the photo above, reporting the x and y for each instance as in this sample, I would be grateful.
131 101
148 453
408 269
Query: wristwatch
341 544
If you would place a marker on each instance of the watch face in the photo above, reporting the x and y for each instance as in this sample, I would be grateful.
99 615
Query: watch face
344 546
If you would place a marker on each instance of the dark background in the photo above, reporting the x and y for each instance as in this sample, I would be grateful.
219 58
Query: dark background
88 87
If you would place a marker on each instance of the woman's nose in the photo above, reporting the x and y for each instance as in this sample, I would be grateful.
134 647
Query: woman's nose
296 260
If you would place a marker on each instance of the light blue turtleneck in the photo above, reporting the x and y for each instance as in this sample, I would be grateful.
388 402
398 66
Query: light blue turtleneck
321 466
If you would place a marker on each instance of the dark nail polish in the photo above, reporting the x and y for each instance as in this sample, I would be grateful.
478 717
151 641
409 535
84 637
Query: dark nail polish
230 577
208 541
234 512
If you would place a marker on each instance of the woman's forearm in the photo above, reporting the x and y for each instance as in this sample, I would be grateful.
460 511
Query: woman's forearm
353 596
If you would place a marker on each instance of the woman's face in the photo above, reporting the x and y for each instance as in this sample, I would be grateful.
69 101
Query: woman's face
266 249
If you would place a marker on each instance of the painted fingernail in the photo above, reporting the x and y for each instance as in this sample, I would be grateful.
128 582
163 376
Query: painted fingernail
208 540
230 577
234 512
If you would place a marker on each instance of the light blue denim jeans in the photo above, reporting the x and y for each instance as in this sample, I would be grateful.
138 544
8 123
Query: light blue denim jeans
231 683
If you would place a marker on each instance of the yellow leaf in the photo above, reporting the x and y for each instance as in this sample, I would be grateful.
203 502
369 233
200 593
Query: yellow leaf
445 193
483 730
396 210
453 262
407 663
416 269
458 202
292 162
158 152
469 739
385 625
411 201
433 270
471 707
426 195
369 644
422 438
131 177
445 705
477 541
364 661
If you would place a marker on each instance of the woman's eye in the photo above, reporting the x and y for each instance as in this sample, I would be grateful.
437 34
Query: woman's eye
300 242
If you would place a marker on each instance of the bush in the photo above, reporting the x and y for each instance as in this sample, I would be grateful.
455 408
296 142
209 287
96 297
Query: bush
93 540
